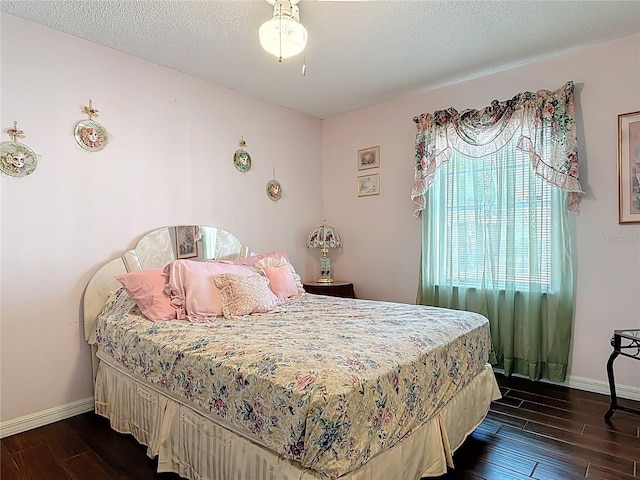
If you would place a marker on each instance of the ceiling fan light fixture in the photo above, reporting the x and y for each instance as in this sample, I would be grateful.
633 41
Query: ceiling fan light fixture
283 36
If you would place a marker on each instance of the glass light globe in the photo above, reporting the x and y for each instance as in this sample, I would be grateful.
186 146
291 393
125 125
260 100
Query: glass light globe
286 43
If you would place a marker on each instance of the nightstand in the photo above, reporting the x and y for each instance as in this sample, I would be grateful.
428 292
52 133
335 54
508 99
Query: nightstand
335 289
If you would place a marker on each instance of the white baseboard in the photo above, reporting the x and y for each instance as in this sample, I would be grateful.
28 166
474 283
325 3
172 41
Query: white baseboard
45 417
597 386
590 385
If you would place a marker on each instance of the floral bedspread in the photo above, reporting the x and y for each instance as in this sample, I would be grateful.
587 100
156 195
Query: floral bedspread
328 382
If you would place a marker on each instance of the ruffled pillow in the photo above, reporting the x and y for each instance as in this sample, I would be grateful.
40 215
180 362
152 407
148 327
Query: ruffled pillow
245 295
251 261
192 288
279 262
146 288
281 281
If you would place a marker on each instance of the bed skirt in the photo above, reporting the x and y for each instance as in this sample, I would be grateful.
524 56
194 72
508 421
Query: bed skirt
197 448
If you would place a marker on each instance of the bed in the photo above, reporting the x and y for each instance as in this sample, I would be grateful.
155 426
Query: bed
312 387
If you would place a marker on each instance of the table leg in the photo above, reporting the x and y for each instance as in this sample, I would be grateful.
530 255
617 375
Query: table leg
612 386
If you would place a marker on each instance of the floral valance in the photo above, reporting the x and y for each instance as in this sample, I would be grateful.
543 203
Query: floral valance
543 123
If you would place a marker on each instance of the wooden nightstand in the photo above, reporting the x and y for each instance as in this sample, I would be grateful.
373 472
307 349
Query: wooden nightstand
335 289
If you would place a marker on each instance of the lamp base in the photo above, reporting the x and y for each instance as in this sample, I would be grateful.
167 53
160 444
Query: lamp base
324 280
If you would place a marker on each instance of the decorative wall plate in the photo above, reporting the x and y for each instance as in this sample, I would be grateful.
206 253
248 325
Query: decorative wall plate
242 161
274 190
17 159
90 135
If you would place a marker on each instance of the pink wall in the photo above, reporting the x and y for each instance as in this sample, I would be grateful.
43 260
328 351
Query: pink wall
382 239
170 162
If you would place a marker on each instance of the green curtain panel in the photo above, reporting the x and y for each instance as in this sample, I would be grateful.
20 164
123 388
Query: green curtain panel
494 188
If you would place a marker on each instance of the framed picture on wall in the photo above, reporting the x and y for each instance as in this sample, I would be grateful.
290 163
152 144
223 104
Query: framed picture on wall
186 245
368 158
629 167
368 185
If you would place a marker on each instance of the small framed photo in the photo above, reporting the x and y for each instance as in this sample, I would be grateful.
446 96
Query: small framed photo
368 185
629 167
186 245
368 158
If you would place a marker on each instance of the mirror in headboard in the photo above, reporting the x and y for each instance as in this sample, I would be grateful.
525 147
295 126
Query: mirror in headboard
156 249
194 242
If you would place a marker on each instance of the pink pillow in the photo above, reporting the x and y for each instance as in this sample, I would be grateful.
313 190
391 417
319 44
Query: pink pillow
193 291
278 262
281 281
146 287
245 295
253 259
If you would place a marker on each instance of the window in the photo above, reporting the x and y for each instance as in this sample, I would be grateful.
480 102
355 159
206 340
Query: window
494 188
496 214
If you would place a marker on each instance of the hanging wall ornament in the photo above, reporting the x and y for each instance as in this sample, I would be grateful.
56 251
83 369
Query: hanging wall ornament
274 189
242 159
89 134
17 159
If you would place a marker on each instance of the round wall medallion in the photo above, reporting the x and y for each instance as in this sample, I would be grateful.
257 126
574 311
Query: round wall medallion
90 135
16 159
274 190
242 161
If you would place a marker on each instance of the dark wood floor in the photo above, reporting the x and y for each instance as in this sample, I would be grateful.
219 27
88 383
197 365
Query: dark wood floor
536 430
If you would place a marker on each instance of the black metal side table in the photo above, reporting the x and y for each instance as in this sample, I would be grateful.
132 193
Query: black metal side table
627 343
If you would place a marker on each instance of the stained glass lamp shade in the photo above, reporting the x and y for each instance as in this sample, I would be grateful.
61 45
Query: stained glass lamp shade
324 237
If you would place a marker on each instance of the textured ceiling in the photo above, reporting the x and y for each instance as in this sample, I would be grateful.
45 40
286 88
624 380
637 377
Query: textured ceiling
359 53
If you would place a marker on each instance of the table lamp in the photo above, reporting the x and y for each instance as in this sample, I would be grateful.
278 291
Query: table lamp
324 237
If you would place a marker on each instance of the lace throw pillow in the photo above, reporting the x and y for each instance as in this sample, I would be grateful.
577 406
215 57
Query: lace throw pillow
245 295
